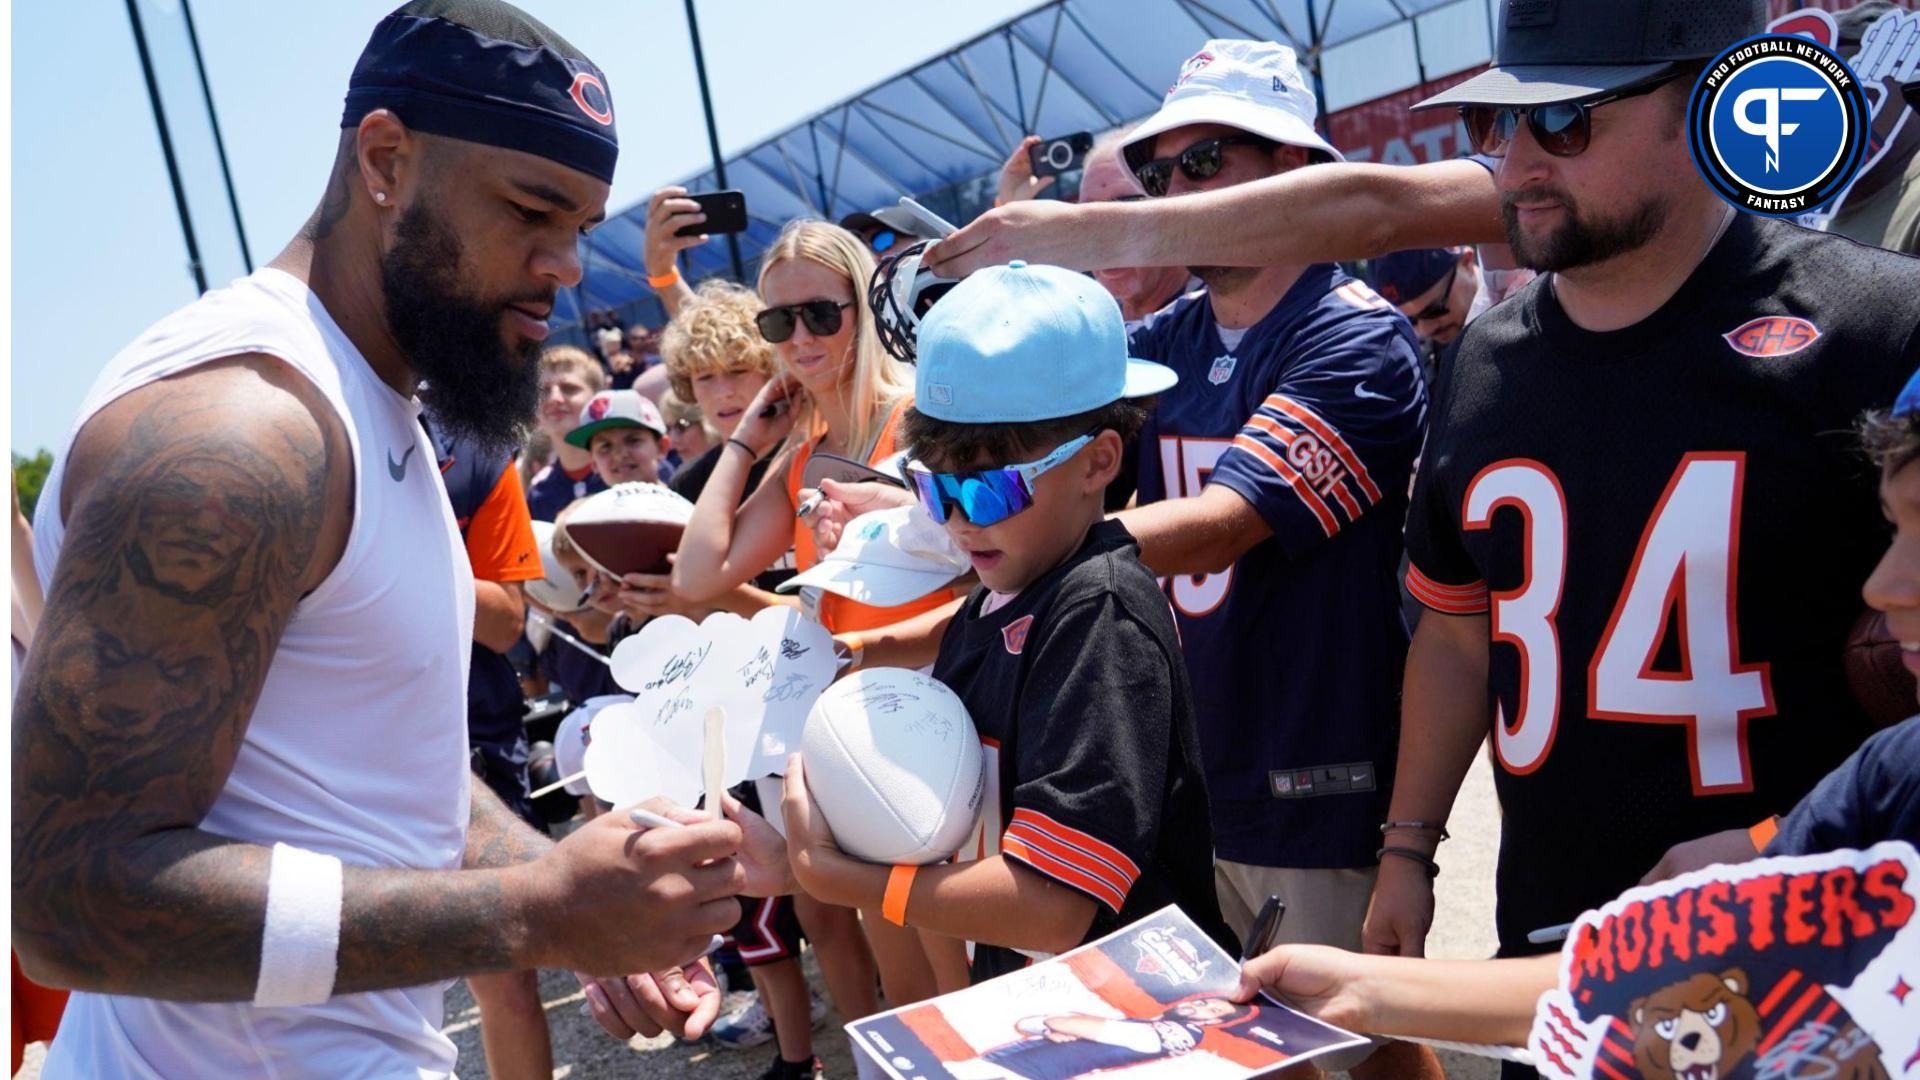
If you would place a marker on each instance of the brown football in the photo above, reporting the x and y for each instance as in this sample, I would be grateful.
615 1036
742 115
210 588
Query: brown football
1880 682
627 547
629 528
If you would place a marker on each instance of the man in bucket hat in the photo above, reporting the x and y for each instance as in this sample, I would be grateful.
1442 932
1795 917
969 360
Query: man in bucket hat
1272 487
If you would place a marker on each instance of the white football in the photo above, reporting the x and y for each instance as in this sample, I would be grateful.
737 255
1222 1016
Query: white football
894 764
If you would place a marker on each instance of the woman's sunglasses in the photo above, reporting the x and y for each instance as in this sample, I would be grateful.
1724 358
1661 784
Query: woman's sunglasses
821 316
985 496
1562 129
883 241
1201 161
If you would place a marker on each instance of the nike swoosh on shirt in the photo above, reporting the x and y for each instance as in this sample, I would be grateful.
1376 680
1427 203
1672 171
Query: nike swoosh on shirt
398 469
1360 391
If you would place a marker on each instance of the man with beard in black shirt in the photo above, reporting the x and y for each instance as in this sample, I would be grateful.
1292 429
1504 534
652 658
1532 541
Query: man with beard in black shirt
1636 523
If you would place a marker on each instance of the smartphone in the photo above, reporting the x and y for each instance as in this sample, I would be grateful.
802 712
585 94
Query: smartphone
726 213
1052 157
941 226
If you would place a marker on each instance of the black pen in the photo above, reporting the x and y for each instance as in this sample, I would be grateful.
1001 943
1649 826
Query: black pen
1266 927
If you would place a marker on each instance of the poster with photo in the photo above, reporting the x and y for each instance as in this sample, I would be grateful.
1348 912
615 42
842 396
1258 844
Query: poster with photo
1150 1000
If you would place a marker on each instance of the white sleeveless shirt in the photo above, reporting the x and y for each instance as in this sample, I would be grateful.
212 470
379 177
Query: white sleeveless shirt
358 745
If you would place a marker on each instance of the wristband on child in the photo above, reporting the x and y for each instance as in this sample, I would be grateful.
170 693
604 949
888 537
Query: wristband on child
893 907
666 280
300 947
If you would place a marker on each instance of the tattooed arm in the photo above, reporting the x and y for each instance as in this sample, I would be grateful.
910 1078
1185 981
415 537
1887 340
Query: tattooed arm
496 837
199 509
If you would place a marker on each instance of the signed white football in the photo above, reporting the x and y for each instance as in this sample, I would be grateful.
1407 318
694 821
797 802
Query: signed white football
894 764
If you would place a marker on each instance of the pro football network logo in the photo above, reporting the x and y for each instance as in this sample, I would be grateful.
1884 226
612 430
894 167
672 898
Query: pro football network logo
1778 125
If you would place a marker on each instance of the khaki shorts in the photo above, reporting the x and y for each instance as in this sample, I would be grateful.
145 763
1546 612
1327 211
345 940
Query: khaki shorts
1324 907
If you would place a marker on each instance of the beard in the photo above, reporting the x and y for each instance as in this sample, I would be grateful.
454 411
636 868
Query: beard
1579 241
477 388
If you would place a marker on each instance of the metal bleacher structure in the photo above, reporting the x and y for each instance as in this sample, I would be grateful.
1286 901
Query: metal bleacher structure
940 130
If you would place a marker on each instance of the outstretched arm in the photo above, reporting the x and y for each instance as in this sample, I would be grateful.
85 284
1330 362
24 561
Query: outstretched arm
1481 1001
1314 214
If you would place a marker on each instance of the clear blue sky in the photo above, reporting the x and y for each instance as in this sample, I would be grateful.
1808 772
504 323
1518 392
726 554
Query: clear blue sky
97 249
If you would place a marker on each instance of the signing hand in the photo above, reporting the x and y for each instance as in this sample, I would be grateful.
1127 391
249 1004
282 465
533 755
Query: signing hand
840 503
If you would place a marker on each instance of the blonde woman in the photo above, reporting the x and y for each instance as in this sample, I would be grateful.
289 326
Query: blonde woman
836 391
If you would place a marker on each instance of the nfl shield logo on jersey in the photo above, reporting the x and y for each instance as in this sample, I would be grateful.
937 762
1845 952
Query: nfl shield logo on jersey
1222 370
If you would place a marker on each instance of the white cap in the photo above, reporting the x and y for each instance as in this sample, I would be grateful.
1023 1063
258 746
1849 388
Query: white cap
1251 85
570 740
556 591
887 558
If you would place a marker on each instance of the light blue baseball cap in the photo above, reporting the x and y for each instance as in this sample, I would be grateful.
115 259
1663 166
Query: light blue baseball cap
1018 343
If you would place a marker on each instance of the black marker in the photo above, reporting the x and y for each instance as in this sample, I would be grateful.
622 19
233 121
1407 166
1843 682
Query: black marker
1266 927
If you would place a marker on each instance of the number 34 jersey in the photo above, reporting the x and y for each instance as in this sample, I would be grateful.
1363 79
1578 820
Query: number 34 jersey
1668 527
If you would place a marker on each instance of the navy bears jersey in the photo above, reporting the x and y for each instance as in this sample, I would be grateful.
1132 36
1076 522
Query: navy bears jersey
1314 416
1093 779
1667 526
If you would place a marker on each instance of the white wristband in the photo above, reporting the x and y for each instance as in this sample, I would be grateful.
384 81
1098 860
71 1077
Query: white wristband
299 951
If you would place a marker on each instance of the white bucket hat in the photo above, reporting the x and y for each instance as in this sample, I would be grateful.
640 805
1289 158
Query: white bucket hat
1255 86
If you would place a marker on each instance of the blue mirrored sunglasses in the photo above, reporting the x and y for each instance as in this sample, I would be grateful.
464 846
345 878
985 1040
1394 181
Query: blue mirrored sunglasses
985 496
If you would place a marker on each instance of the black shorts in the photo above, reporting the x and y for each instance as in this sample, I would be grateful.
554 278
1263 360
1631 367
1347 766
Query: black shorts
768 930
503 765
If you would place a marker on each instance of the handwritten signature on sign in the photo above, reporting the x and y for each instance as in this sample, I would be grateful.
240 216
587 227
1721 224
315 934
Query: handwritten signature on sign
679 705
792 650
759 669
792 688
680 667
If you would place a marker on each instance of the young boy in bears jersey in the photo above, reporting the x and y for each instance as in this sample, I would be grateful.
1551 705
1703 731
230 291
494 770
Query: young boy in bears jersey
1096 810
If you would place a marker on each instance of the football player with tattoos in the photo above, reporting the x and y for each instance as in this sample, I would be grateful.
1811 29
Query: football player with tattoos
244 826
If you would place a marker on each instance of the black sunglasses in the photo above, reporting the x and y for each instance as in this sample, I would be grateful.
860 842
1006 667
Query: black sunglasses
1439 308
821 316
1563 129
1201 161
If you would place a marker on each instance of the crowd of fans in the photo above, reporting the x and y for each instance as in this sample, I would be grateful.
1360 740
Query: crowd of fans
1257 529
1336 412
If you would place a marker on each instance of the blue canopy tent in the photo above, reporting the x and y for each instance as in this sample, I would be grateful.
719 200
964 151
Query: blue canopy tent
941 130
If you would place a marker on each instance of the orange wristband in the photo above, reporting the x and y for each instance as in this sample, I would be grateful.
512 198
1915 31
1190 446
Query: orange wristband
666 280
893 907
856 651
1763 833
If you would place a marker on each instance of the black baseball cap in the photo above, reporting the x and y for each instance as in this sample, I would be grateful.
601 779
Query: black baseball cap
1553 51
887 217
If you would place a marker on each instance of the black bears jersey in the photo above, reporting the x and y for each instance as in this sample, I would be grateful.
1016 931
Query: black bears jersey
1080 698
1668 527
